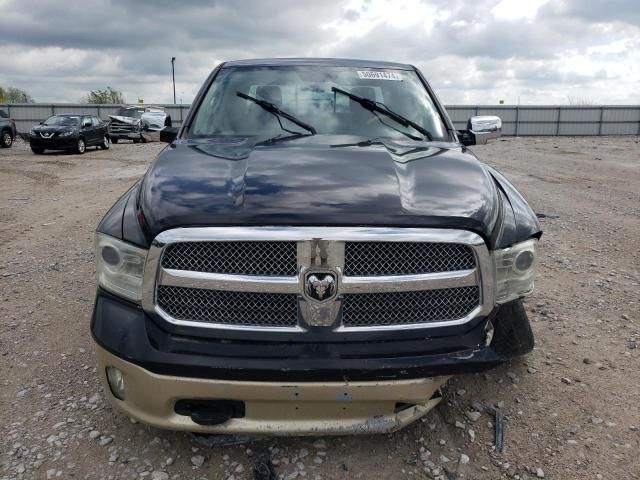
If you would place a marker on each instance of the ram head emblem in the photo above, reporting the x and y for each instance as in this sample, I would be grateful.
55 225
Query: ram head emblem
321 286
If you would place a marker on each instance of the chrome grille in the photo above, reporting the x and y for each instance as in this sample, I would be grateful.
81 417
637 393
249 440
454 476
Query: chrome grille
245 258
123 128
364 259
257 277
229 308
402 308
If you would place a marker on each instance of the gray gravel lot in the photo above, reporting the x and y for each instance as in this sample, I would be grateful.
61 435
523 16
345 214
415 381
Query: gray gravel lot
572 406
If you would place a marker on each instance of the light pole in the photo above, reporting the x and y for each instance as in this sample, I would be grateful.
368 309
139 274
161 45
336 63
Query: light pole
173 75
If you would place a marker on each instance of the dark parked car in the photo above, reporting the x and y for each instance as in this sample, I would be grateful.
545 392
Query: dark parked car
315 252
7 130
69 132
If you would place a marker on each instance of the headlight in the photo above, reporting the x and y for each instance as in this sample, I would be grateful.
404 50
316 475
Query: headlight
515 270
120 267
67 133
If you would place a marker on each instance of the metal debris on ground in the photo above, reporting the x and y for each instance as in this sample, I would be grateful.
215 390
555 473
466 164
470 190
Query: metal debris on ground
544 215
263 469
220 440
499 430
451 475
498 422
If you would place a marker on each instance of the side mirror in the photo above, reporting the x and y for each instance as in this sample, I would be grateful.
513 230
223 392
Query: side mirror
41 123
168 134
86 124
480 129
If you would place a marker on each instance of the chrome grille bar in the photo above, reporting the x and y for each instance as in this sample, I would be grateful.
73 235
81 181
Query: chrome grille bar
253 283
233 283
398 283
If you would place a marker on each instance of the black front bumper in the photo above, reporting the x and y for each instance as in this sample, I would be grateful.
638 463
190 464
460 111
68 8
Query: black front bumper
125 136
126 331
54 143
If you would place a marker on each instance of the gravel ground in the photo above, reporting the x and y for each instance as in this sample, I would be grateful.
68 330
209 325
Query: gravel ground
571 406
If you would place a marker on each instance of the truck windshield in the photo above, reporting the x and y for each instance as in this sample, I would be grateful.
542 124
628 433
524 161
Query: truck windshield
130 112
306 93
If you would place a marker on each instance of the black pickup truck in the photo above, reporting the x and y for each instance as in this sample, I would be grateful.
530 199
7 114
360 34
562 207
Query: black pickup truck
315 252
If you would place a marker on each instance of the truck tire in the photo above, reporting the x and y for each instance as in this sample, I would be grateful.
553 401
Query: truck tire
512 335
114 140
6 139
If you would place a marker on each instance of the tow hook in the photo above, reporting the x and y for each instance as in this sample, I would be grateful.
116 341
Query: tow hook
210 412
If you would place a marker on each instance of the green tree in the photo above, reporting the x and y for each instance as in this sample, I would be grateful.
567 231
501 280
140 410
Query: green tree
15 95
108 95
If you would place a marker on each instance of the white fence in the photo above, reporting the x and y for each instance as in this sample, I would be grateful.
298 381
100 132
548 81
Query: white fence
516 119
555 120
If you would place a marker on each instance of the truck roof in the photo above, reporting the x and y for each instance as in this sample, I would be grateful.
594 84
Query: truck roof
335 62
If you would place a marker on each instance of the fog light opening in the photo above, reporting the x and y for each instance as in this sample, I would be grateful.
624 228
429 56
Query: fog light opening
488 331
115 378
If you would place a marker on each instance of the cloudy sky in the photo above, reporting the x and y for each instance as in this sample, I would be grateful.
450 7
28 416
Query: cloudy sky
479 51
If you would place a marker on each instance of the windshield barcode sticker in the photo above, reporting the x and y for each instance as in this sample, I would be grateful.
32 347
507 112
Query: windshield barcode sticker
378 75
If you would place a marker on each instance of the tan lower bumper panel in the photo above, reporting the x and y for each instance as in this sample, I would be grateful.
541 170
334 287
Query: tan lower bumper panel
275 408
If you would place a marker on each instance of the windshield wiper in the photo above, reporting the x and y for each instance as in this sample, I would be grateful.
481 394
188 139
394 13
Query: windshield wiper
364 143
378 107
273 109
280 138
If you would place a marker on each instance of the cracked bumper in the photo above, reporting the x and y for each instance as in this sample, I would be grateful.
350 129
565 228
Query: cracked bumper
275 408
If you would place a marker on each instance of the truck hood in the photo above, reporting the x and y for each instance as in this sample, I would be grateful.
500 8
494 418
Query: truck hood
318 180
